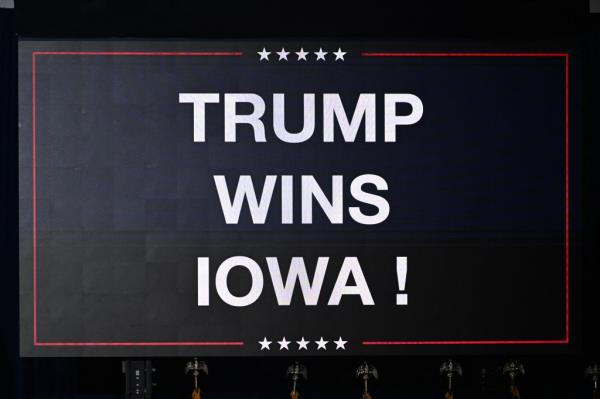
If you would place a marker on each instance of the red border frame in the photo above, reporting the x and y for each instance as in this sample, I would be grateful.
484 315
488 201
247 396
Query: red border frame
36 342
566 339
563 341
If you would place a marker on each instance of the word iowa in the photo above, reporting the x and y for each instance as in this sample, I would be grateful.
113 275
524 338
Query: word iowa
283 286
333 113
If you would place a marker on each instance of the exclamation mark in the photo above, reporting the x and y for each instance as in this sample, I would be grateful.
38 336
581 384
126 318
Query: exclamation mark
401 270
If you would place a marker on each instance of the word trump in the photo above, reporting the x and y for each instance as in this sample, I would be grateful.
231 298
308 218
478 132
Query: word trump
284 287
333 111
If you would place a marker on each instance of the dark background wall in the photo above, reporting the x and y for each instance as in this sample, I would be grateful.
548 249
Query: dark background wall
547 377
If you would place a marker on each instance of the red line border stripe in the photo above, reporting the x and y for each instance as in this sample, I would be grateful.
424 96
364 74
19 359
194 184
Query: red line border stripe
196 343
34 195
567 221
483 342
565 340
145 53
366 54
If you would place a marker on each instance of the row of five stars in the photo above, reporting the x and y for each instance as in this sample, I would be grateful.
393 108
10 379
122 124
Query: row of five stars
283 55
302 344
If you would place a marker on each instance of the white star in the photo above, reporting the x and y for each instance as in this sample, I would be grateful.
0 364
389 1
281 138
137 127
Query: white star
264 344
320 54
302 54
264 54
283 344
340 344
282 54
302 344
321 344
339 55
